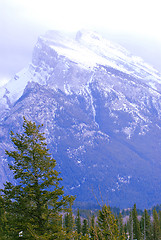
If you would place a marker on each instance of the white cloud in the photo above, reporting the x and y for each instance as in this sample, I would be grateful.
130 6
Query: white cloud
132 16
22 21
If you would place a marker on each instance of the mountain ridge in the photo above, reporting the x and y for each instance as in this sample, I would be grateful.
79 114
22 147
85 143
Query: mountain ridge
101 111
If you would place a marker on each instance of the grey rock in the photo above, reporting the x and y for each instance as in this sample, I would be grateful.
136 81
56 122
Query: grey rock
100 109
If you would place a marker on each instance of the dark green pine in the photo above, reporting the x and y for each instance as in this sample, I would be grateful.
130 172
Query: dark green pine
155 226
35 203
92 229
136 224
145 225
121 227
85 227
107 225
78 222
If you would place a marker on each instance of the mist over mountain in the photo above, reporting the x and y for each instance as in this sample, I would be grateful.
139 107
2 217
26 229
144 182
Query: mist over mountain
16 53
143 46
100 107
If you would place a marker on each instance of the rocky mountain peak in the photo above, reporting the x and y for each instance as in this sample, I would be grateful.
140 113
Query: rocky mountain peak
88 35
101 111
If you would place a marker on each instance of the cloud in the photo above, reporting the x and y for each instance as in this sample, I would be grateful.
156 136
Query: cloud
22 21
133 16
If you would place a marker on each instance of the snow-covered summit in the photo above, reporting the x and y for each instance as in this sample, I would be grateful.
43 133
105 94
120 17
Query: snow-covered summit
89 49
101 109
57 57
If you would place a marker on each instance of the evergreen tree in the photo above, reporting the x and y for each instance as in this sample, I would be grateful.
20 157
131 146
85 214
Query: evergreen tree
107 225
155 226
136 224
78 223
92 229
3 221
121 227
68 222
130 226
85 227
145 226
126 230
35 203
69 225
160 221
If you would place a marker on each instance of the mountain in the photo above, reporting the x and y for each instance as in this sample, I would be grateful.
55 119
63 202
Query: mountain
100 109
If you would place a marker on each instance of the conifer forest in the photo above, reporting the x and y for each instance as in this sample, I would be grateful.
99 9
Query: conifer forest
35 207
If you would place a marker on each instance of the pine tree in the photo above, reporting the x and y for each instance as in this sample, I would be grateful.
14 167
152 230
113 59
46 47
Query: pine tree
34 204
145 225
85 227
160 221
155 226
68 222
3 221
107 226
69 225
121 228
78 223
136 224
92 229
126 230
130 226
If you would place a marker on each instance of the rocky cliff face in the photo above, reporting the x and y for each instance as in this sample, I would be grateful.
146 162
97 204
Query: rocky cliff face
101 111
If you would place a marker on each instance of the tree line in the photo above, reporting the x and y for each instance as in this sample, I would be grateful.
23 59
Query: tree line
37 208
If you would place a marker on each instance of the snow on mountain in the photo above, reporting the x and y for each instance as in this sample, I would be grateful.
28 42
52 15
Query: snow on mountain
88 50
101 111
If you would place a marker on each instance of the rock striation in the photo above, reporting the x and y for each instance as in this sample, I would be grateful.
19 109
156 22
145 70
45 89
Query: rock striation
100 107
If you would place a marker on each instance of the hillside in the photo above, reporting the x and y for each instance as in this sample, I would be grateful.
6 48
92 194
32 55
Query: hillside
101 111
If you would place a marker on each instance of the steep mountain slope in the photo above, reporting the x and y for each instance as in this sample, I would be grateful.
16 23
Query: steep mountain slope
101 111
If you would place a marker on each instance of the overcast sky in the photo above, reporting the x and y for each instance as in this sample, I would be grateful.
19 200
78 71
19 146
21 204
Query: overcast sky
132 23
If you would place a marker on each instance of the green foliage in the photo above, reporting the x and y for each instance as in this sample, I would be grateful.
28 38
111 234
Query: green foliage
155 226
35 203
133 225
85 227
121 227
145 226
107 226
69 225
136 225
129 226
159 214
78 222
3 220
92 229
126 231
157 208
68 222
